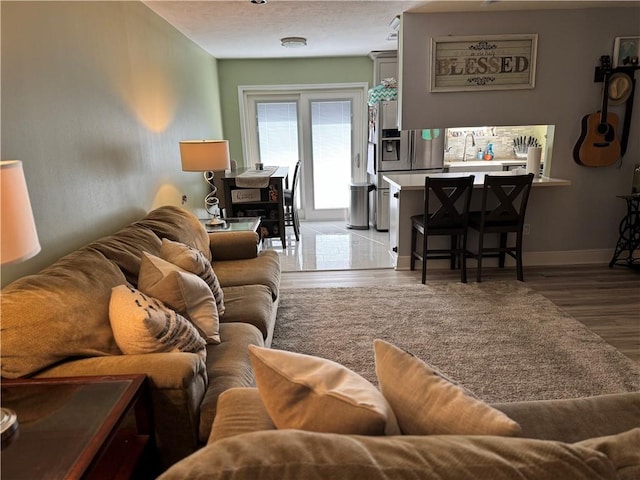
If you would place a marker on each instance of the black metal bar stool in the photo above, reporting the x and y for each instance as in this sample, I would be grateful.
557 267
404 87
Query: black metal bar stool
290 210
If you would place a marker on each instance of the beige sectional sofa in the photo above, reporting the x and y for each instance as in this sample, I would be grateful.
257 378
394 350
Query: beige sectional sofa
310 418
270 454
56 323
584 439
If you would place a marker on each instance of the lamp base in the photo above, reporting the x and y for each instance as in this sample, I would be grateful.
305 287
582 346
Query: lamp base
8 423
216 222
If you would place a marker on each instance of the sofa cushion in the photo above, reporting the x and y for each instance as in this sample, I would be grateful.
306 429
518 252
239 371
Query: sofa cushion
125 249
310 393
293 454
194 261
261 270
178 225
59 313
142 324
228 366
250 304
184 292
426 403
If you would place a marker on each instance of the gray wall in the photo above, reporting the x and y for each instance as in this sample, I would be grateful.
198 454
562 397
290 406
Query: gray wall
95 98
568 224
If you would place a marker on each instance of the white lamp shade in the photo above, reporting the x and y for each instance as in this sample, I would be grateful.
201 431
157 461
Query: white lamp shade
19 239
204 155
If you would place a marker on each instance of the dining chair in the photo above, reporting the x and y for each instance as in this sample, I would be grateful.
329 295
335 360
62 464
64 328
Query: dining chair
290 211
446 213
504 204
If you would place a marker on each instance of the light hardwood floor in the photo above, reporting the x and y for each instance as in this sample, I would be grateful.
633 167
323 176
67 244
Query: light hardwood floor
606 300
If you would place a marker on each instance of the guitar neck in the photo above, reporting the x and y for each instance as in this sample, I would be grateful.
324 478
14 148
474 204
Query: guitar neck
605 64
605 94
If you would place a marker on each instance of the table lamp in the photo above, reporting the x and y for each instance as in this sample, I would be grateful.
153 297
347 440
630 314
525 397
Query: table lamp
206 156
18 241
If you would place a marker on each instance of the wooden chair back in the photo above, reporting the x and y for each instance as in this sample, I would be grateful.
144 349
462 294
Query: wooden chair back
504 200
447 201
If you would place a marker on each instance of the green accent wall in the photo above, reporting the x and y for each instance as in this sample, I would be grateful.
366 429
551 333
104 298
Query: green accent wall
95 98
290 71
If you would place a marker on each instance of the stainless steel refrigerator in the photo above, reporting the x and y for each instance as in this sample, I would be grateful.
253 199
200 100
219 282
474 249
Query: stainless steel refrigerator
397 151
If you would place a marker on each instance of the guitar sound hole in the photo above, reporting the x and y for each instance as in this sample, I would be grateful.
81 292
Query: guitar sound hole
603 128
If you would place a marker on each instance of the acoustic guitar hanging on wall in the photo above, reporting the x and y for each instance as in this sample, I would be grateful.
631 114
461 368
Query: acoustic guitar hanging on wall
599 145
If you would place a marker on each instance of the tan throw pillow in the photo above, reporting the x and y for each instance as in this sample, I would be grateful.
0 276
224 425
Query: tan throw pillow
142 324
194 261
183 291
310 393
427 403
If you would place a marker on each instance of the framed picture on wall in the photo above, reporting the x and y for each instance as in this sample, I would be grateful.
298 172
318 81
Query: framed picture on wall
487 62
626 51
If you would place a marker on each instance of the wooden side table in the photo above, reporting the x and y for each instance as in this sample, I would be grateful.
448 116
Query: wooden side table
78 427
629 239
234 224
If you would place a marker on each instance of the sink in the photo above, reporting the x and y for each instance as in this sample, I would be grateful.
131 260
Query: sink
476 166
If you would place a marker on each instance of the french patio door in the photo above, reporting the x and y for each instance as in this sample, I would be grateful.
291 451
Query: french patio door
324 129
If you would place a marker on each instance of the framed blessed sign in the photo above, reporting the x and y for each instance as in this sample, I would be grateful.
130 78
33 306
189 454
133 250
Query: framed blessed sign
488 62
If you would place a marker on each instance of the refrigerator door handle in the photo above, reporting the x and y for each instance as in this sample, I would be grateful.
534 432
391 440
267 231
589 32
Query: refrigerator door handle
411 149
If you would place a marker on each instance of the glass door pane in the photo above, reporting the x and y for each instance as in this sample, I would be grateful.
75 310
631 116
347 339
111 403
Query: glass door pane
332 153
278 133
323 128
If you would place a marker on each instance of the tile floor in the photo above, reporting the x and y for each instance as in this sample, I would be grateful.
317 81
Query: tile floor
332 246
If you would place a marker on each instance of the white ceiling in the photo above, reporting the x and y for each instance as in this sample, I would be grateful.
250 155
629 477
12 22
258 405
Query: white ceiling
240 29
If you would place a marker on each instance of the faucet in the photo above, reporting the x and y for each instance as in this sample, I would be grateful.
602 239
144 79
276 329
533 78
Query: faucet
473 144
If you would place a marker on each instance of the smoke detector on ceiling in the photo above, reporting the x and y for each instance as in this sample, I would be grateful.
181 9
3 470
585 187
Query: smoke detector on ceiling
293 42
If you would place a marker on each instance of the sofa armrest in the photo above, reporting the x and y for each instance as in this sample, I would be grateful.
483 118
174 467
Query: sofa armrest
178 382
165 370
240 410
233 245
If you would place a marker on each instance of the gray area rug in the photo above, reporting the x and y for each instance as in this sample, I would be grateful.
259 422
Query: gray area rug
502 340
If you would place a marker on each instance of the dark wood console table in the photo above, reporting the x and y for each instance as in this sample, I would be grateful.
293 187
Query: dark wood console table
78 428
629 239
268 203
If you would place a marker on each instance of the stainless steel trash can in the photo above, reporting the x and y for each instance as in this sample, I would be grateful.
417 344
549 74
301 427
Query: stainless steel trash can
359 206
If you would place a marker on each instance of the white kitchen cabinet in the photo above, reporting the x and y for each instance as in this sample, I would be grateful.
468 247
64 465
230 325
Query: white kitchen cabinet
385 65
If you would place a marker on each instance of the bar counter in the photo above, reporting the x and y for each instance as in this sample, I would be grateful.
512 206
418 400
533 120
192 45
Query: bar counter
406 197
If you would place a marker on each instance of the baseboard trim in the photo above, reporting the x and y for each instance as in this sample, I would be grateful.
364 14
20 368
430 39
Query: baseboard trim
567 257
